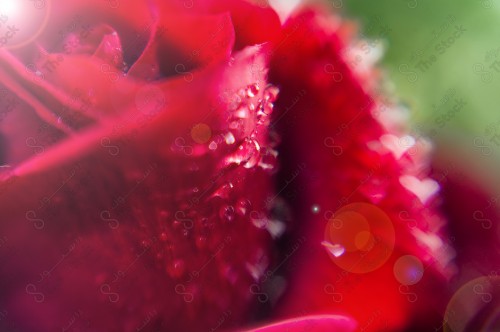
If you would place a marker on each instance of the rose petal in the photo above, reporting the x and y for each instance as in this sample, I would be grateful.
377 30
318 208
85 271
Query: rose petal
139 221
24 134
81 16
184 42
254 22
344 162
314 323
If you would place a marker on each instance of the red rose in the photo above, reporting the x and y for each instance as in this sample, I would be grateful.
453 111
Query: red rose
138 165
141 189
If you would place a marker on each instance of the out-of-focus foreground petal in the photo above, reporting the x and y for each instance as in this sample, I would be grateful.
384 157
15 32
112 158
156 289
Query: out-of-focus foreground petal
311 323
144 222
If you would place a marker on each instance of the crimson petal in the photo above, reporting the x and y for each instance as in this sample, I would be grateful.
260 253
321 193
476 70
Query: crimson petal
146 217
313 323
356 182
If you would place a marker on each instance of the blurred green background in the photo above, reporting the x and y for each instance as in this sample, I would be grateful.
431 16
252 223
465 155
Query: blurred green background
443 57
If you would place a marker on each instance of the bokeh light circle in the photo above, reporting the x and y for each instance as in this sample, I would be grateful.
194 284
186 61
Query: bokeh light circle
22 21
201 133
359 238
474 307
408 270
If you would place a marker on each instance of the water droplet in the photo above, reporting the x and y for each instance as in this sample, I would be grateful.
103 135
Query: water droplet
252 90
315 209
263 115
242 112
237 125
248 154
271 93
335 249
243 206
227 213
269 160
229 138
224 191
265 110
235 102
163 237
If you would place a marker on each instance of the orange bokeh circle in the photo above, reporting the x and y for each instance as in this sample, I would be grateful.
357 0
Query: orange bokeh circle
359 238
475 306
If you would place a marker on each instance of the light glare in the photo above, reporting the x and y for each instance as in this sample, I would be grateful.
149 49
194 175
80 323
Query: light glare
9 8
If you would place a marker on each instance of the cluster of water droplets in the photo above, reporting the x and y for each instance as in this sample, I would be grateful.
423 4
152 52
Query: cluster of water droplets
250 118
201 214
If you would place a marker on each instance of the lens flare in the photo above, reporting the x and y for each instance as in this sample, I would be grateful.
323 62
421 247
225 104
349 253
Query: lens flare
359 238
10 8
21 22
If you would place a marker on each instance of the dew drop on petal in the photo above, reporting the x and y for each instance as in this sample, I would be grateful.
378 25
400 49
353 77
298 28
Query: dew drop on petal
229 138
248 154
271 93
242 112
262 116
223 191
227 213
269 159
243 206
252 90
237 125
